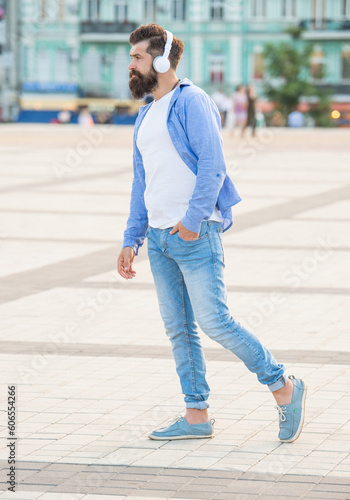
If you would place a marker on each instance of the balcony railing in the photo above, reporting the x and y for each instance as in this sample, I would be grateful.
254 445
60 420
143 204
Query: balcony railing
325 24
107 27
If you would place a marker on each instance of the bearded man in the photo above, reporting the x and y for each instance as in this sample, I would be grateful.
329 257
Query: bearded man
181 201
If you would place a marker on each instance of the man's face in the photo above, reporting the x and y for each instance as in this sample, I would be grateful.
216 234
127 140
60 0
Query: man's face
143 78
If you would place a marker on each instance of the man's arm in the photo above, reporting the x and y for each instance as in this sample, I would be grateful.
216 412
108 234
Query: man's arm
204 135
137 223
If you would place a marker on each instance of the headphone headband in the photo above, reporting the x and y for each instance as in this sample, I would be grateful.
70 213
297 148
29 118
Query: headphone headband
168 43
161 63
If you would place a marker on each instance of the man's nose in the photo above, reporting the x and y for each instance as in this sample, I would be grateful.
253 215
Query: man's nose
131 65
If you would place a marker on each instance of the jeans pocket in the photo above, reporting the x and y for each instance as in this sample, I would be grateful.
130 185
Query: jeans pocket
188 241
203 234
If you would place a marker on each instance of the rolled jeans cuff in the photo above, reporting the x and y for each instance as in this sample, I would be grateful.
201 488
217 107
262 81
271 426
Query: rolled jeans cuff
281 382
201 405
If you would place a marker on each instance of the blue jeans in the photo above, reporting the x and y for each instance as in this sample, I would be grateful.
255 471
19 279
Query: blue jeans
190 286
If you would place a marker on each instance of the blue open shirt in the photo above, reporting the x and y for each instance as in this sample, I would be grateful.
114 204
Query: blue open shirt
194 126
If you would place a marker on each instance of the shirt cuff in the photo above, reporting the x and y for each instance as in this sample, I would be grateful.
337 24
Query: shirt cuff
132 245
191 225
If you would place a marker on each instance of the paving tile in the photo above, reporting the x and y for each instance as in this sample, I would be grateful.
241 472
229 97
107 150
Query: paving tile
330 496
232 496
249 487
219 482
62 496
155 493
333 480
332 488
103 497
290 490
21 495
194 495
296 478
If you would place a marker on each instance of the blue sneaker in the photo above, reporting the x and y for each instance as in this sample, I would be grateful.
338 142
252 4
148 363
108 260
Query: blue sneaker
179 428
291 417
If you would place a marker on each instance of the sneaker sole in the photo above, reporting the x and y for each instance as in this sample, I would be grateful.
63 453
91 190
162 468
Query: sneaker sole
172 438
301 423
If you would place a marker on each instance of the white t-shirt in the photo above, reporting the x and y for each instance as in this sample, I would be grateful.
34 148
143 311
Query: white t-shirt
169 181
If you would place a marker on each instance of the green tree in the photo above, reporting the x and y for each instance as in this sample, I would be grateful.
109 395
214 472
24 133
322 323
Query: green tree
288 70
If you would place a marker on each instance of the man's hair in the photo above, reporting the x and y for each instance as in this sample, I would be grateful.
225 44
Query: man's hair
157 39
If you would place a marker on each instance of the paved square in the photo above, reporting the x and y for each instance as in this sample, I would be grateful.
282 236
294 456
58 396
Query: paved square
87 352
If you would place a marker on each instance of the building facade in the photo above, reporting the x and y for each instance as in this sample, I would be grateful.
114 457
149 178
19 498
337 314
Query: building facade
9 70
79 48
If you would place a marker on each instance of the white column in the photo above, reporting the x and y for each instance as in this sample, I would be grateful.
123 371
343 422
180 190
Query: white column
196 59
235 76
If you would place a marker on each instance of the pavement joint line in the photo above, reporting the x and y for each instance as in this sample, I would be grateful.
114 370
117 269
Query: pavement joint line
58 212
117 213
256 247
21 347
65 181
230 288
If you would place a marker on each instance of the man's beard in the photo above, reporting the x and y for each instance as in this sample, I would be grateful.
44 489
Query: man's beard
140 85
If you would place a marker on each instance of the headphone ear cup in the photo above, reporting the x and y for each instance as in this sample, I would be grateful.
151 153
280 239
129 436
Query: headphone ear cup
161 64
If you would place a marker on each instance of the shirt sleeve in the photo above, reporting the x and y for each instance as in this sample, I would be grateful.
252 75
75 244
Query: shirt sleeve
136 227
204 135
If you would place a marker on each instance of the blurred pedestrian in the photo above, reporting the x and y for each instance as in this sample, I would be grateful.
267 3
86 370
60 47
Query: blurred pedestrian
296 119
64 116
240 108
251 110
277 119
85 118
223 103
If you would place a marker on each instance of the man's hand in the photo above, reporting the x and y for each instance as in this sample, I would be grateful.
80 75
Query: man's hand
184 233
125 260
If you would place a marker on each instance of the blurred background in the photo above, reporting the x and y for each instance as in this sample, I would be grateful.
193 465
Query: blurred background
61 59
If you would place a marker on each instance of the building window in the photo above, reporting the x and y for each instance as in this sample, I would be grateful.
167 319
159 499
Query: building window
258 66
93 10
346 8
216 67
288 8
178 10
120 10
317 64
345 59
149 8
217 10
259 8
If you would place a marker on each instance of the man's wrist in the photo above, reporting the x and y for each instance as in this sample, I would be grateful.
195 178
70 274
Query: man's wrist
133 247
188 224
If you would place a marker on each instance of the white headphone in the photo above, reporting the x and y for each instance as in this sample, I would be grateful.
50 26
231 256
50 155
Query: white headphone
161 64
